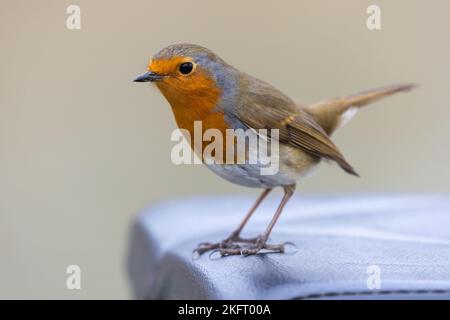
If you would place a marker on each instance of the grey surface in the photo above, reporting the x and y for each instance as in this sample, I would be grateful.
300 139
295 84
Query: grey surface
337 238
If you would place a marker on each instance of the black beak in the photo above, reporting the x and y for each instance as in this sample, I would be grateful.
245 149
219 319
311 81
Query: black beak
148 77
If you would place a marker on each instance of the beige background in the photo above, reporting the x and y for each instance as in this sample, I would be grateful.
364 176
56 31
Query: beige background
82 148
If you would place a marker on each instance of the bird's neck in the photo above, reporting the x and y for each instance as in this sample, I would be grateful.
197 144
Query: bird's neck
196 105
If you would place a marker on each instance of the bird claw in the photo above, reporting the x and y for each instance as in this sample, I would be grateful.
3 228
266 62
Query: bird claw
228 248
212 253
290 244
204 247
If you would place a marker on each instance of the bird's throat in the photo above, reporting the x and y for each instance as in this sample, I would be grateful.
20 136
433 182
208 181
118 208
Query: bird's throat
190 105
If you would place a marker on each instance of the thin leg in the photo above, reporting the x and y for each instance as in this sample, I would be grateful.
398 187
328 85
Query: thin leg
261 241
288 192
234 237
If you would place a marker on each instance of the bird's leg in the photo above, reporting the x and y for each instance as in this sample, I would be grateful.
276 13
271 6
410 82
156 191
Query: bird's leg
261 242
234 237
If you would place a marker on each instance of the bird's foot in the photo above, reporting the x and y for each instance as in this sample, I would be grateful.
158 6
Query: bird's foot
232 242
235 245
259 246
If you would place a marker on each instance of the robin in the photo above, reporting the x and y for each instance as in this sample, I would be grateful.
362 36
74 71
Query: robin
200 86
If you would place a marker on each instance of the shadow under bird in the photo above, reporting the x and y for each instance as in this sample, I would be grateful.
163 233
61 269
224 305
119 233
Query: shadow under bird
200 86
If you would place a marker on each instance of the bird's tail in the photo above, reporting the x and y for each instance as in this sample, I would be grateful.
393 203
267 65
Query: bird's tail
334 113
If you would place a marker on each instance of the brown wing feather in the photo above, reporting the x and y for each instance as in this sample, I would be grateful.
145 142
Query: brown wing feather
310 137
262 106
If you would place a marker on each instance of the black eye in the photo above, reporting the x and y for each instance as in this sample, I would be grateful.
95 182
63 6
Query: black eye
186 68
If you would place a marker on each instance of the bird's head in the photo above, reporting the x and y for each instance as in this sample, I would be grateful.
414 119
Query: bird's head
187 71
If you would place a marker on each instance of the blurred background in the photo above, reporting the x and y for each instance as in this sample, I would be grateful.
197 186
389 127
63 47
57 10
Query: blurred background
83 148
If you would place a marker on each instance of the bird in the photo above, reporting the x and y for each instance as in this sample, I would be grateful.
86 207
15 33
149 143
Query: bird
200 86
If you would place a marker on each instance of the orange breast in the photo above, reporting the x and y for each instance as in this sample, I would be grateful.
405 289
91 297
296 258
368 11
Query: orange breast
192 99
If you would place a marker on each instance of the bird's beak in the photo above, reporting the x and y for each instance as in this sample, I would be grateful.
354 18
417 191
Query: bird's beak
149 76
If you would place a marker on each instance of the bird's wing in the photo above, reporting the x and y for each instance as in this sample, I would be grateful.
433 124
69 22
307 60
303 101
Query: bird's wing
262 106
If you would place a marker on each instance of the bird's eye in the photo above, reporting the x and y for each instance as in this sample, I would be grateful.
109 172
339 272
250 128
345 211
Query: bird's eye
186 67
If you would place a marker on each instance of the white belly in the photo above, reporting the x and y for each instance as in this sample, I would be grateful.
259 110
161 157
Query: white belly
294 165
